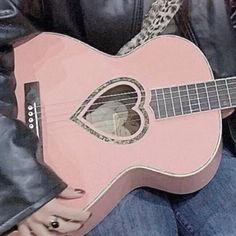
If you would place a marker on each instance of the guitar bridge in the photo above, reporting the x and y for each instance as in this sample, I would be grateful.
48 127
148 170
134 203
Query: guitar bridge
33 111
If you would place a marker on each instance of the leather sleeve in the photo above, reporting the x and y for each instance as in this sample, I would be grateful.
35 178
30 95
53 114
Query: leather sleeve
209 26
116 22
25 183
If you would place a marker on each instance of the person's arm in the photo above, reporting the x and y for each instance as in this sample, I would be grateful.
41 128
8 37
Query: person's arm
25 184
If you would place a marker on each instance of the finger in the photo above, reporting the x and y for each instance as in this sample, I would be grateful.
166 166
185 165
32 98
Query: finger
40 230
65 212
24 230
71 193
63 226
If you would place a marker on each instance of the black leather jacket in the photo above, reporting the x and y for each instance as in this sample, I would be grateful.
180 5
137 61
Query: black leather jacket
25 183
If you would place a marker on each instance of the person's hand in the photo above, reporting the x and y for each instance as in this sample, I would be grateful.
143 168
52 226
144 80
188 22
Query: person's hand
54 213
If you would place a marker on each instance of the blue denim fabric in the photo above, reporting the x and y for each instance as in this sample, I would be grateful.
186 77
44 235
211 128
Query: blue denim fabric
208 212
212 210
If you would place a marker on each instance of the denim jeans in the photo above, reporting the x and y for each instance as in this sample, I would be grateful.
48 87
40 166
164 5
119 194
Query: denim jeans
148 212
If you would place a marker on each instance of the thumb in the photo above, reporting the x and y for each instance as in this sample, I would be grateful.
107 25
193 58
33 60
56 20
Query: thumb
71 193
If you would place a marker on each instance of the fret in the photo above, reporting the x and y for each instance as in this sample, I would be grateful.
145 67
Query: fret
231 83
184 97
154 104
212 95
168 102
203 97
194 103
161 103
228 92
176 101
222 90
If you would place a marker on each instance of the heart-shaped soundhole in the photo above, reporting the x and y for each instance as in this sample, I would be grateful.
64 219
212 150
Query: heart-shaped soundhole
112 112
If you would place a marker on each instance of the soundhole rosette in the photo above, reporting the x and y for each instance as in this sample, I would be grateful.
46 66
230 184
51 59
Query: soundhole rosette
115 112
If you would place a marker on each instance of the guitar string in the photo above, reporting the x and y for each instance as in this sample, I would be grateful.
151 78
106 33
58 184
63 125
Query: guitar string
171 98
127 122
130 123
162 116
52 129
112 124
168 112
129 93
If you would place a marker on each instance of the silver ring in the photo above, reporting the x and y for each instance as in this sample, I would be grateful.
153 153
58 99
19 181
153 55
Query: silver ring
54 224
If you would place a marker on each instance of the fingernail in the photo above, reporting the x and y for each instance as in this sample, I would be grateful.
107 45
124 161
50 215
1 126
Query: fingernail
79 191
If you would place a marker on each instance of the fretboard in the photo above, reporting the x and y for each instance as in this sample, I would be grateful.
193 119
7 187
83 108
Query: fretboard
192 98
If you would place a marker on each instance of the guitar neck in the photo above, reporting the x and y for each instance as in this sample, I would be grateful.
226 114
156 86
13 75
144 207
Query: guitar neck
192 98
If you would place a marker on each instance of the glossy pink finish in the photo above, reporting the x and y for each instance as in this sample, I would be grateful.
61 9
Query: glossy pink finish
178 155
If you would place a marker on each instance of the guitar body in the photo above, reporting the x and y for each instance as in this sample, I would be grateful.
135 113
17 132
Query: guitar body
177 154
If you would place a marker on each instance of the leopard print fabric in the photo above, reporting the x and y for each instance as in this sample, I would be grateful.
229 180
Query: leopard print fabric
155 22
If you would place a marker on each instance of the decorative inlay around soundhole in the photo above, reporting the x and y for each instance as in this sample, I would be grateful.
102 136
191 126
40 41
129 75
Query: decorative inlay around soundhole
114 112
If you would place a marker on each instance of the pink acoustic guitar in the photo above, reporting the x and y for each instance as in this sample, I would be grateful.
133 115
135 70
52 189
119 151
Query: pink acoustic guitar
111 124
